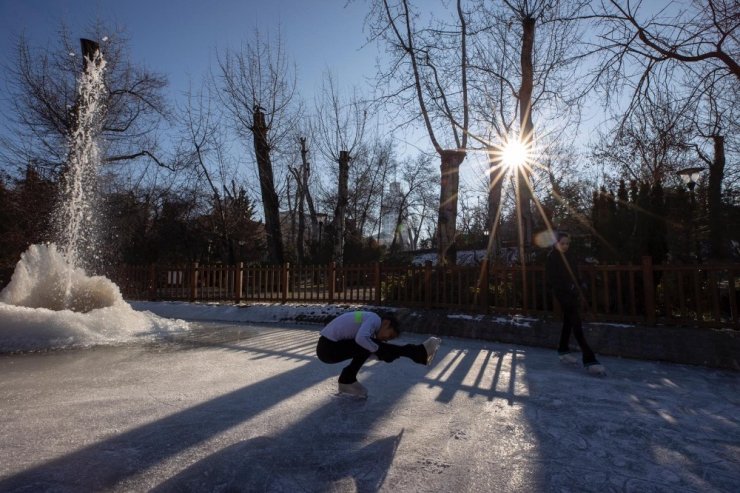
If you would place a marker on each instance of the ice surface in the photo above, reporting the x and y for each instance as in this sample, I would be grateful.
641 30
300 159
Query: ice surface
248 407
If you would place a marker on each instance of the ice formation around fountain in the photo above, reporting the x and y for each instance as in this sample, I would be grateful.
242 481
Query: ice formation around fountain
50 304
50 301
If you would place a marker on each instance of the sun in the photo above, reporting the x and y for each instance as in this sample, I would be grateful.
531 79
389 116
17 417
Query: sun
514 154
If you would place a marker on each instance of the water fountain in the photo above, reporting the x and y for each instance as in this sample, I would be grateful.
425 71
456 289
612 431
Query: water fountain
51 301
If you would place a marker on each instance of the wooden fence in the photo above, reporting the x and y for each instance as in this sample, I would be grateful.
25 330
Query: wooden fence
667 294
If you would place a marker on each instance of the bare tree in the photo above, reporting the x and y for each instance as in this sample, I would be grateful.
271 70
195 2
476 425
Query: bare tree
702 38
717 129
694 49
204 151
691 47
304 198
371 167
429 71
526 62
418 178
339 126
650 143
41 85
257 87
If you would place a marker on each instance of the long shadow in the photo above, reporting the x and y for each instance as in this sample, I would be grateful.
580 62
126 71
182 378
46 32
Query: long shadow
648 427
268 462
105 464
650 431
292 462
451 376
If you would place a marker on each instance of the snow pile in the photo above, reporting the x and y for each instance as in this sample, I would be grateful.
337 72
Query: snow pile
44 279
51 304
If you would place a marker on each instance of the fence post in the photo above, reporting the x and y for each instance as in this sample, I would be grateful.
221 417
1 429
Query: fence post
238 282
193 282
284 281
332 280
378 284
648 289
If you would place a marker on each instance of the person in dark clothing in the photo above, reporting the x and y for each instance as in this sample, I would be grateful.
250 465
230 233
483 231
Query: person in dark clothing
563 280
357 336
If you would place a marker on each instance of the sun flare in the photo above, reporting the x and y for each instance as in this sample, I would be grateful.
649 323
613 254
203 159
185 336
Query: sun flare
514 154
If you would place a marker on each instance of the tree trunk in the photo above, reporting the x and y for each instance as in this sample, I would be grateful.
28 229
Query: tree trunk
523 192
447 222
302 176
339 212
267 187
307 193
716 175
397 234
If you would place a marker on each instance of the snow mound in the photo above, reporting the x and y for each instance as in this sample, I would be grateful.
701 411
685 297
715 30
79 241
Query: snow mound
50 304
44 279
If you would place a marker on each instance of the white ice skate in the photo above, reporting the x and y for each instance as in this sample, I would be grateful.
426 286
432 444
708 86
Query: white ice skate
596 369
568 359
432 345
355 389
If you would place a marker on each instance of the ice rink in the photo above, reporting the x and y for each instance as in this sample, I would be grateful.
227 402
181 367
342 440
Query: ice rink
248 407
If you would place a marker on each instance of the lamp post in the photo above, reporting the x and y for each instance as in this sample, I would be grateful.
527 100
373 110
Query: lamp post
321 227
690 177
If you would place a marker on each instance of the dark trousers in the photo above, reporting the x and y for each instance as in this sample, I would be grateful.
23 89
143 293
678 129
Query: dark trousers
572 322
331 352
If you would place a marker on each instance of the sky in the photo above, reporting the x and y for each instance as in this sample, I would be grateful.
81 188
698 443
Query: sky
179 38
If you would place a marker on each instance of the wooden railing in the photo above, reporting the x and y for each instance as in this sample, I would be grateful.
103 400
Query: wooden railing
646 293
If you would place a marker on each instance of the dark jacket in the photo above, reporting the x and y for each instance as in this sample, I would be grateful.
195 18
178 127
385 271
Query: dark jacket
561 273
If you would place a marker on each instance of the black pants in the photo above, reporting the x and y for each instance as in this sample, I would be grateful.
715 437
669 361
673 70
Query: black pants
572 322
332 352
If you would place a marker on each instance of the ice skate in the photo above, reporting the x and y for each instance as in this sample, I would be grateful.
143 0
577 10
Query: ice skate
568 359
596 369
355 389
431 345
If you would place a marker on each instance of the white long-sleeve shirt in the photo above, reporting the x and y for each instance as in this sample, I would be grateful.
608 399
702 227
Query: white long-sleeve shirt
358 325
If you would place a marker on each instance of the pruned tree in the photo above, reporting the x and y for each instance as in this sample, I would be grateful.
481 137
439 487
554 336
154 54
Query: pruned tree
339 128
525 65
257 86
